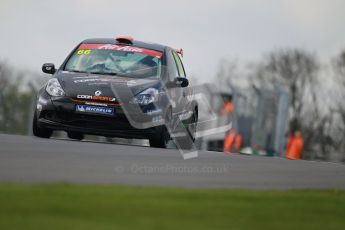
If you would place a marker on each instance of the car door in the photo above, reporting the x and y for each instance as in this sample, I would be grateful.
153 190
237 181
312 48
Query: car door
175 92
182 92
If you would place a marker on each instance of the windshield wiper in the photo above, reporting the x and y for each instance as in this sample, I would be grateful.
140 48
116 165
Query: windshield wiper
104 73
75 71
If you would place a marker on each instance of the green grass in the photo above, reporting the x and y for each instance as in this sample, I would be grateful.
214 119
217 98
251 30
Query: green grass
120 207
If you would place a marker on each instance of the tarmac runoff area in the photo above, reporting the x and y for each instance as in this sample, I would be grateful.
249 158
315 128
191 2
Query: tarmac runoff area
32 160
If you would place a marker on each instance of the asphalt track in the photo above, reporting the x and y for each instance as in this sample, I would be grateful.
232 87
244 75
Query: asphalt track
33 160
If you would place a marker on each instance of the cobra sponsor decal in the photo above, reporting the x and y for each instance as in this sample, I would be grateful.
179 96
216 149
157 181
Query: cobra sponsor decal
92 80
98 80
97 98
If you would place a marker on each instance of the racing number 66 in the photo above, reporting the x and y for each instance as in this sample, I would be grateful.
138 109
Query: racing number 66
86 52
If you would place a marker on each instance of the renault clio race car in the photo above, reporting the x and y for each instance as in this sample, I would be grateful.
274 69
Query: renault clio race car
118 88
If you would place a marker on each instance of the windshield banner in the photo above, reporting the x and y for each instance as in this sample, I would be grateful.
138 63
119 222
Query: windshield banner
124 48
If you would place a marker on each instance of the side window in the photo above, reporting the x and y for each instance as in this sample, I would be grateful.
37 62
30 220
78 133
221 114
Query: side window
180 67
172 67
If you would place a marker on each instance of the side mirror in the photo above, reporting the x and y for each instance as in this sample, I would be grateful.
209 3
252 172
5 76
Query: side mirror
181 81
48 68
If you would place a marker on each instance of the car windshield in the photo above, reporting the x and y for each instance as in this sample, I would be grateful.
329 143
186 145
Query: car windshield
115 60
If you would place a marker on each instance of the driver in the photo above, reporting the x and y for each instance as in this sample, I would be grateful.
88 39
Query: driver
149 65
103 61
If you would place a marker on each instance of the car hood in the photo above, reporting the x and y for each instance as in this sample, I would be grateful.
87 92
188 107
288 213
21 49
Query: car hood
76 84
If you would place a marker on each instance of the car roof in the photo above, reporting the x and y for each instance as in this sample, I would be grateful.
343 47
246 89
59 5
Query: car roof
136 43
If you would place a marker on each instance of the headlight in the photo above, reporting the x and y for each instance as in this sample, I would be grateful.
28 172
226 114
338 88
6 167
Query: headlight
146 97
54 88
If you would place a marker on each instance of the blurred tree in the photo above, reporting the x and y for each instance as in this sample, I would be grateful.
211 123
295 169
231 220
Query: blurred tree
227 72
339 69
309 83
297 71
15 103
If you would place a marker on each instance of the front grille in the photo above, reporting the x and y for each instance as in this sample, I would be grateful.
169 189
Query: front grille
88 121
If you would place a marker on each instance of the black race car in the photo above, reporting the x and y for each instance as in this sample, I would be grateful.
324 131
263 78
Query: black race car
118 88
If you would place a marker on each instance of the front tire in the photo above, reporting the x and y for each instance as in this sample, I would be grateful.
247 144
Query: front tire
40 132
162 138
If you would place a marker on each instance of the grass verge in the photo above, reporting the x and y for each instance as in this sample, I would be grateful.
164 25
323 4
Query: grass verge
121 207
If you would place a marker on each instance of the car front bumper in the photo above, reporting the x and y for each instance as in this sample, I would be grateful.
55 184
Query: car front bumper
60 114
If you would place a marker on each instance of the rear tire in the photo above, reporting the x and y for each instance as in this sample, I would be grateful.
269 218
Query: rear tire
40 132
75 135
